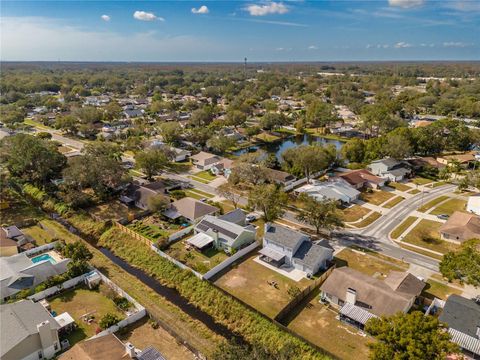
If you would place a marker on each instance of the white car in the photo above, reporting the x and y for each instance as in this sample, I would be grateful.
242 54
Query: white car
251 217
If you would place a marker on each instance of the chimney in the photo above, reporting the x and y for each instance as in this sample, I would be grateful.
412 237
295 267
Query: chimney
351 296
45 332
130 350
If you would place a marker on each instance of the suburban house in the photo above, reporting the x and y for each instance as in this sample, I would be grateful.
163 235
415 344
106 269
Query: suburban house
131 113
204 160
463 319
19 272
283 246
139 195
222 167
190 209
180 154
390 169
463 159
28 331
8 246
425 162
338 190
280 177
222 234
109 347
473 204
360 179
460 227
361 297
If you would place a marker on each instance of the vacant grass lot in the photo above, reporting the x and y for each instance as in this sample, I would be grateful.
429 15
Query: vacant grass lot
439 290
394 202
370 219
377 197
399 186
317 323
82 301
142 335
421 181
432 203
450 206
365 263
402 227
426 235
114 210
248 281
354 213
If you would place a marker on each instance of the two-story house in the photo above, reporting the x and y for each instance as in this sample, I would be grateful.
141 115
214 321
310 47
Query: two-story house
390 169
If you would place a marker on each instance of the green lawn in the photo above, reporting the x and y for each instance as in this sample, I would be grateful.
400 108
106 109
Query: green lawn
450 206
423 252
414 191
376 197
197 194
394 202
81 301
154 231
367 264
432 203
439 290
265 137
440 183
426 235
205 175
402 227
399 186
354 213
421 181
370 219
41 236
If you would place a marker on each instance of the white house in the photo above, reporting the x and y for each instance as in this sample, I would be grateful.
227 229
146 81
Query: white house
473 204
390 169
204 160
338 190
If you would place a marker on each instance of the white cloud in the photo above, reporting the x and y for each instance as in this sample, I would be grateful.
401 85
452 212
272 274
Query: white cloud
457 44
462 5
312 47
201 10
406 4
267 9
105 17
402 45
146 16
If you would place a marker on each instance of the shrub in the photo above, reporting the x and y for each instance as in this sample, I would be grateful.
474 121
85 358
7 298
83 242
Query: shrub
108 320
122 303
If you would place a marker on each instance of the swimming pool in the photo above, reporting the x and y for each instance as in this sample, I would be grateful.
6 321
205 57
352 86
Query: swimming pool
43 257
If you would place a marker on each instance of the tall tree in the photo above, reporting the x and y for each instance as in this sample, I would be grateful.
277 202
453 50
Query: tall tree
170 131
319 214
151 161
269 199
464 264
308 159
411 336
320 114
229 192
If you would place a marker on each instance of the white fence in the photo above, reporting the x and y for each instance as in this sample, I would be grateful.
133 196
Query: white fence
180 234
175 261
58 288
228 262
302 181
40 249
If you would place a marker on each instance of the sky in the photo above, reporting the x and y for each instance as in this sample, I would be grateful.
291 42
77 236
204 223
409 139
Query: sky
216 31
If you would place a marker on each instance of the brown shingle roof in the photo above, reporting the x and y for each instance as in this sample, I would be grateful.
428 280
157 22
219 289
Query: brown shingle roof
105 347
360 176
462 226
192 209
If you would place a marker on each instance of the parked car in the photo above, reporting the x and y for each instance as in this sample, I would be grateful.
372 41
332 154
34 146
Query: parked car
443 216
251 217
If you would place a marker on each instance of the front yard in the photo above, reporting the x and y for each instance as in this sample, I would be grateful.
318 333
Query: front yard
203 176
395 201
421 181
81 302
370 265
399 186
402 227
450 206
367 221
426 234
249 281
318 323
439 290
376 197
432 203
354 213
198 261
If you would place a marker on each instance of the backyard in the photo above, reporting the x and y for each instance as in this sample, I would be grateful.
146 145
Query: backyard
154 227
114 210
15 210
83 301
426 234
198 261
143 334
318 323
376 197
250 282
369 264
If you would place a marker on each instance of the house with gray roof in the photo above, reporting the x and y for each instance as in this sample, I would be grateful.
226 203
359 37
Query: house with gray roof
462 316
285 247
28 331
336 189
390 169
222 234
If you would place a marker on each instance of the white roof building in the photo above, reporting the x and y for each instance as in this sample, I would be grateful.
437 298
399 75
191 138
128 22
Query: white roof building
473 204
333 190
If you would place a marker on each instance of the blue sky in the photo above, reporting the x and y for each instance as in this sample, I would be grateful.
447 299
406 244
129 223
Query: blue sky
230 30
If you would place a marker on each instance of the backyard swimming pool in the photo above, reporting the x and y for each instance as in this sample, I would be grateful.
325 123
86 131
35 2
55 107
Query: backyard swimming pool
43 257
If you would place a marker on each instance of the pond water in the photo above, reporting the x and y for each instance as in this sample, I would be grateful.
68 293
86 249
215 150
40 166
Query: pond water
278 147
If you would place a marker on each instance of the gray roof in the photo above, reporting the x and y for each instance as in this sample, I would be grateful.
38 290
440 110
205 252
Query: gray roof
283 236
388 162
236 216
399 171
20 320
150 353
461 314
227 231
308 253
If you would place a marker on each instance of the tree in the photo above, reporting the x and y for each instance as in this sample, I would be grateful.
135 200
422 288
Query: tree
12 115
151 161
273 120
398 146
235 118
248 173
158 203
76 251
220 144
201 117
463 264
32 158
269 199
411 336
319 114
113 111
67 123
354 150
108 320
228 191
319 214
308 159
170 131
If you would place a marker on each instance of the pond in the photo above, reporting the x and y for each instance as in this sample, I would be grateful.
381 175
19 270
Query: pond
278 147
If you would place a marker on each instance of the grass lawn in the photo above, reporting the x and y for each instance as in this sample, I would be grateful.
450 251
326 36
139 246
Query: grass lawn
440 183
198 261
15 210
423 252
318 324
439 290
142 335
205 175
432 203
450 206
153 228
414 191
81 301
376 197
36 124
365 263
426 235
197 194
399 186
421 181
41 236
248 281
370 219
114 210
394 202
64 149
402 227
267 137
354 213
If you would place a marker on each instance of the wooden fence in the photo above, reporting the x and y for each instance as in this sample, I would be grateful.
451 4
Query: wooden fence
281 316
134 234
